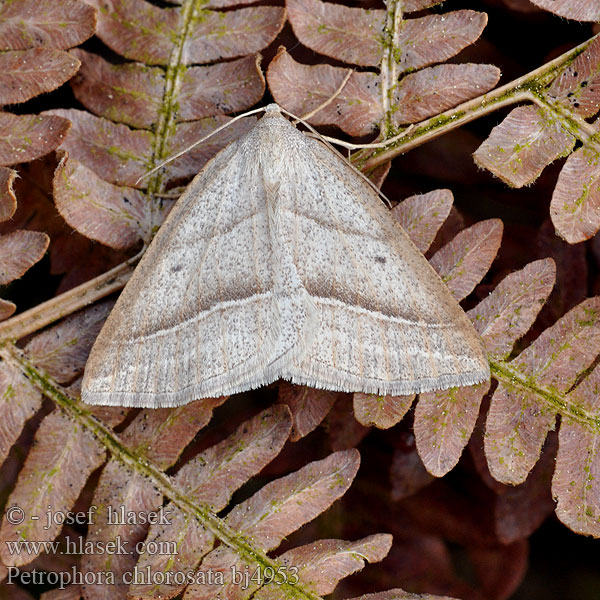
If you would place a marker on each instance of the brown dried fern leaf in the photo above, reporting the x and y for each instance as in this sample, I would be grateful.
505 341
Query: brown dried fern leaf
146 111
395 48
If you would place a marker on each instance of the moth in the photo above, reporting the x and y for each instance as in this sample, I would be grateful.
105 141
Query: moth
280 261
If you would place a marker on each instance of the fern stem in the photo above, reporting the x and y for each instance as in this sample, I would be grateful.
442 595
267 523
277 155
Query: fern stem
525 88
560 403
62 306
389 61
79 412
576 125
173 76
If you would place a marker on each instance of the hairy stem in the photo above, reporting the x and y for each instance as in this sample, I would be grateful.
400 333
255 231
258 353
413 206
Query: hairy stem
82 415
389 60
56 308
173 77
503 371
525 88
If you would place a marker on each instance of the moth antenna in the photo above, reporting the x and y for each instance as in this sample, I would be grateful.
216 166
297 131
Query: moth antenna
200 141
348 145
383 144
329 100
247 114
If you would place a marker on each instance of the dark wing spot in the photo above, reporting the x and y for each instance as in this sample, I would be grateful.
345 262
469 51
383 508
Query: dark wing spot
380 259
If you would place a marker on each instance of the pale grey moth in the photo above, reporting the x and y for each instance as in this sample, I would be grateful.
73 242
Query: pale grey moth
280 261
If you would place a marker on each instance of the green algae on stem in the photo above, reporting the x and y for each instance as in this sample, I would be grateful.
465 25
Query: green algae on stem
528 88
390 61
81 414
503 372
